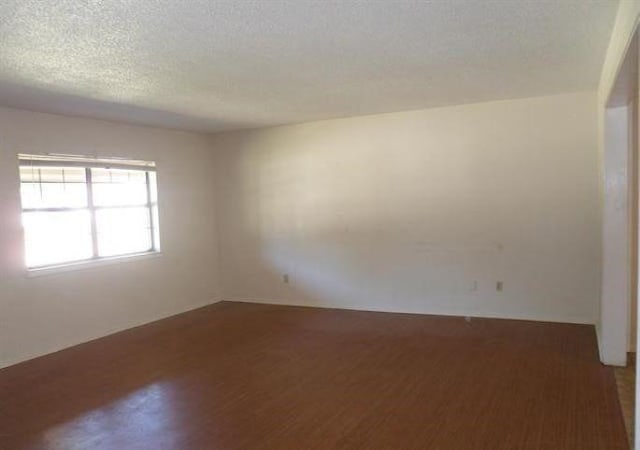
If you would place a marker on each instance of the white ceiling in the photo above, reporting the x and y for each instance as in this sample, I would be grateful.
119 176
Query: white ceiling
226 64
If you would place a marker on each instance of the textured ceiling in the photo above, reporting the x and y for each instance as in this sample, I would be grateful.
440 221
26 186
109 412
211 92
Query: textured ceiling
225 64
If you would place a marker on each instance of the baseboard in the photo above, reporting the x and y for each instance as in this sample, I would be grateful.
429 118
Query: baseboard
489 315
30 356
477 314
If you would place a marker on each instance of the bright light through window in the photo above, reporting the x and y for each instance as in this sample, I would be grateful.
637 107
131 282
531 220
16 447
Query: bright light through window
86 211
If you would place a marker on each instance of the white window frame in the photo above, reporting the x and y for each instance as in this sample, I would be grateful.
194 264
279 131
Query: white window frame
95 260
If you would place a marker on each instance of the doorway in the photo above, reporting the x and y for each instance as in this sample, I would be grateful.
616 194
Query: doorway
618 328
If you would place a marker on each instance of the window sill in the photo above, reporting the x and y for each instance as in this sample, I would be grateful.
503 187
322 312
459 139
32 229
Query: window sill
90 264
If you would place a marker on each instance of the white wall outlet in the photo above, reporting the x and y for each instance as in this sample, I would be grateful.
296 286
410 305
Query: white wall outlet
499 286
285 278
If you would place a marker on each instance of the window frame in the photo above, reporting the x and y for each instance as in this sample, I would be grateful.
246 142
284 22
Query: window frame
140 166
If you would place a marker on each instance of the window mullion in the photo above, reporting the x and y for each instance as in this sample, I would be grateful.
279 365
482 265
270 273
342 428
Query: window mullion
92 212
150 209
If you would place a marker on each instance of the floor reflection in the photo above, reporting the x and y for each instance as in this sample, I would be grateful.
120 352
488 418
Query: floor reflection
143 415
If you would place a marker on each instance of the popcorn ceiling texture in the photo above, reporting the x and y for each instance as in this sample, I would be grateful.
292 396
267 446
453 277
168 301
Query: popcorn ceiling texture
214 65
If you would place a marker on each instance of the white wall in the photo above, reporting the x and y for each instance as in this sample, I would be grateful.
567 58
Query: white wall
616 78
419 211
40 315
633 223
616 255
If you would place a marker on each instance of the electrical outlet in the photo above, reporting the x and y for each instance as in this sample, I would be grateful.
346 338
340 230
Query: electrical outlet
285 278
499 286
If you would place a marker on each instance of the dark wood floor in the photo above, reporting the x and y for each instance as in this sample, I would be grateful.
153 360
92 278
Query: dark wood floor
244 376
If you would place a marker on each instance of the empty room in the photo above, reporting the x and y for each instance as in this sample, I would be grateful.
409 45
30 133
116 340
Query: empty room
306 224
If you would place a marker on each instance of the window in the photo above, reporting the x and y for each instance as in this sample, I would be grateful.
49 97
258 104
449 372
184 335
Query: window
75 209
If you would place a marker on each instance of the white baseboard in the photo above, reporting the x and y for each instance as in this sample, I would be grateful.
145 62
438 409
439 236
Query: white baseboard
478 314
482 314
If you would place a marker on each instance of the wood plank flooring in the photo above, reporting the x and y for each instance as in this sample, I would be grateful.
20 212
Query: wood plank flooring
246 376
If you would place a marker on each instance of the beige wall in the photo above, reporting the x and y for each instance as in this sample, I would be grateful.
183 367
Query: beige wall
43 314
419 211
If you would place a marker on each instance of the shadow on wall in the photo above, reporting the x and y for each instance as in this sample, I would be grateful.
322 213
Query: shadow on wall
371 225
